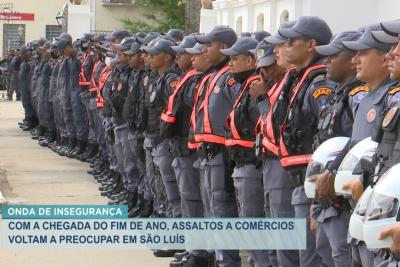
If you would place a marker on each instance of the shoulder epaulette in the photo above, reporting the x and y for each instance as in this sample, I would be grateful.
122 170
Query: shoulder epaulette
362 88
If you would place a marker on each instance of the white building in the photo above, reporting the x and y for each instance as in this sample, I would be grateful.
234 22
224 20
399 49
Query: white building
255 15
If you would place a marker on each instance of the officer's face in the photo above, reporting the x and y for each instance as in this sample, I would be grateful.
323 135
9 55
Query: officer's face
370 65
200 62
339 66
135 61
124 59
68 50
184 61
281 54
159 60
241 63
113 45
146 59
299 51
213 53
393 58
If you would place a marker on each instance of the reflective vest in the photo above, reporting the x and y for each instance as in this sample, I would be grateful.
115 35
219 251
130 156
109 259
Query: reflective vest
192 144
235 127
167 114
83 81
93 81
104 75
269 140
295 127
207 134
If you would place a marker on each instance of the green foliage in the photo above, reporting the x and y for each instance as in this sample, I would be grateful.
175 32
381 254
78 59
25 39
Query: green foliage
160 16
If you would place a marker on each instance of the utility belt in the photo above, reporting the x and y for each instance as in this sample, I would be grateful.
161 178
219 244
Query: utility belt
179 148
339 203
297 174
209 150
244 156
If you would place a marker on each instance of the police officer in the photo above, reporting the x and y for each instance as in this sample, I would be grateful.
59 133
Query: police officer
153 176
94 128
370 63
64 45
13 72
131 115
219 97
60 139
175 121
240 137
126 161
336 119
45 108
303 96
23 78
85 77
110 168
162 58
278 187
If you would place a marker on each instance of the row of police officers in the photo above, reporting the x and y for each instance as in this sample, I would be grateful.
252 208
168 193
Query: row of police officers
216 125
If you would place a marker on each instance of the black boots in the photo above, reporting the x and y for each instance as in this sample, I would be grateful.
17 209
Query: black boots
91 151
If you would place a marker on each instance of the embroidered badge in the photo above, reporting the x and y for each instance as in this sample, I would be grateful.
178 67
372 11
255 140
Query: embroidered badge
358 89
322 91
394 90
217 89
173 84
231 81
389 116
260 53
371 115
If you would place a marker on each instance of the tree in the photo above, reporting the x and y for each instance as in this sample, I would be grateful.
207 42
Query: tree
160 16
192 16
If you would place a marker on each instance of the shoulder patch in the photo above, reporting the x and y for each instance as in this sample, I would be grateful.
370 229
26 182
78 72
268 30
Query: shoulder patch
231 81
173 84
321 91
358 89
394 90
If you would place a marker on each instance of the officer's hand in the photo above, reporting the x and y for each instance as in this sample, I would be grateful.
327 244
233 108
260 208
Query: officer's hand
257 88
325 185
394 232
356 188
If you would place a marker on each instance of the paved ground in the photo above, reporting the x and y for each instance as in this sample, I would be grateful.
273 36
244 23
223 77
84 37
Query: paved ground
31 174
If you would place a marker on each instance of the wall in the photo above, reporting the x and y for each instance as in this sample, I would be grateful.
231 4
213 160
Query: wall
108 18
45 14
341 15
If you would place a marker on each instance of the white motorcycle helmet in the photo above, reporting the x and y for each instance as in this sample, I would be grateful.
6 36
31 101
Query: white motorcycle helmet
366 147
324 154
358 216
382 209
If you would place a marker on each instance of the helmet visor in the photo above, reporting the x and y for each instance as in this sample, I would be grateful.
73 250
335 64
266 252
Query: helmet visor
314 168
381 206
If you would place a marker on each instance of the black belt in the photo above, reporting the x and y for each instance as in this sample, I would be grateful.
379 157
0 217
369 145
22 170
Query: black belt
209 150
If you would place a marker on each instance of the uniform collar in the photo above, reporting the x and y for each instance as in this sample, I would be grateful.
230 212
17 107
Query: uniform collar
381 91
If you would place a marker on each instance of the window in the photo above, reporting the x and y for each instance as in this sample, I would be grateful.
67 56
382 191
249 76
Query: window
11 38
260 22
52 31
